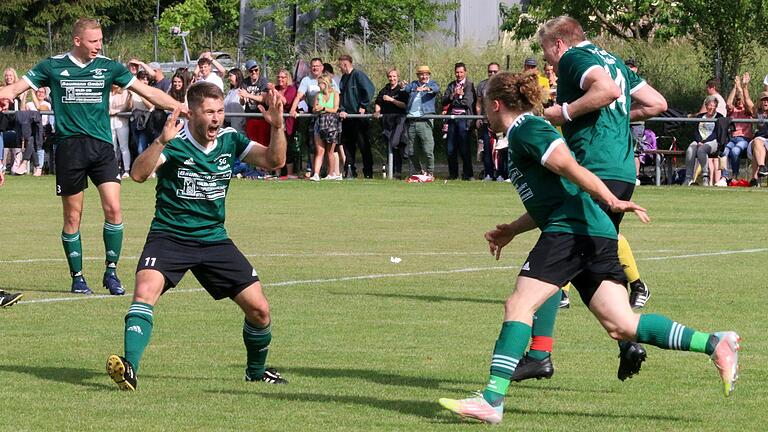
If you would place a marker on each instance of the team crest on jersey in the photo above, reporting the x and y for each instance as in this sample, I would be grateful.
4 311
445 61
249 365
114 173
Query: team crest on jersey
98 73
222 162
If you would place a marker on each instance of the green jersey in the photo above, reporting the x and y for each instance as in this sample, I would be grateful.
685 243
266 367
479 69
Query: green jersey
554 203
80 93
192 185
601 140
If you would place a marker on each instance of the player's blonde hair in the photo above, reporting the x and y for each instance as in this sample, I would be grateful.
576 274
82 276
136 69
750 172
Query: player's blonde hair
563 27
84 24
517 91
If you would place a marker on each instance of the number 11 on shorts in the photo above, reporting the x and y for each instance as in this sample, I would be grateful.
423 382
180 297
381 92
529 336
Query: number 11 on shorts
149 261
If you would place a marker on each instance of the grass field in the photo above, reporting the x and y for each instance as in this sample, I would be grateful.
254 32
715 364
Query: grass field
368 344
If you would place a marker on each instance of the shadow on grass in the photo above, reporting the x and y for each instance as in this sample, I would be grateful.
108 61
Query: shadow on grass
377 377
435 298
432 411
66 375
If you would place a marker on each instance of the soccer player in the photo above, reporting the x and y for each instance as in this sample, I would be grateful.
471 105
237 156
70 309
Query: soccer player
578 243
80 83
594 93
193 163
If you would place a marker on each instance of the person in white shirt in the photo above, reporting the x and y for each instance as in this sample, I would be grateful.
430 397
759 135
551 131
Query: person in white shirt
206 72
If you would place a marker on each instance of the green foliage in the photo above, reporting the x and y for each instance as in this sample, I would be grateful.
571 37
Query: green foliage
24 23
278 46
626 19
200 18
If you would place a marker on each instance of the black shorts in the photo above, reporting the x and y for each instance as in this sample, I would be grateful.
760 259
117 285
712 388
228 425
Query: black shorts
220 267
81 157
623 191
559 258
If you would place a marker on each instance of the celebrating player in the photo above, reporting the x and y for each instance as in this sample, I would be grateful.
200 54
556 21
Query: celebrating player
193 163
578 243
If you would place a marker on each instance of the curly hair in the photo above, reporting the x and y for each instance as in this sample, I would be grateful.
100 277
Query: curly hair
519 91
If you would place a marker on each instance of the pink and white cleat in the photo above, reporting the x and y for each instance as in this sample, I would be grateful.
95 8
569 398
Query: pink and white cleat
475 408
726 359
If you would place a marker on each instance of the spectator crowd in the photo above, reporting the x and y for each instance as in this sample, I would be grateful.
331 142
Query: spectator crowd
344 108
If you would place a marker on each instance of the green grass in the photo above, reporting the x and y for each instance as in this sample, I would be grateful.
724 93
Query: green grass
374 353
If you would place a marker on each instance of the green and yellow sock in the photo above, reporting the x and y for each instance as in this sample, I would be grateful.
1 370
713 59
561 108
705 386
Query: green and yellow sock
138 330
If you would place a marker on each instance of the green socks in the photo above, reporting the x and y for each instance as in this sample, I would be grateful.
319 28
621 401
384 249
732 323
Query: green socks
509 349
73 249
256 341
662 332
138 329
113 244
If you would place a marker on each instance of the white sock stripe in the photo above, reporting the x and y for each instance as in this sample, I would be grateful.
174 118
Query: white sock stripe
140 310
70 239
113 227
681 330
675 336
504 366
255 330
498 361
508 358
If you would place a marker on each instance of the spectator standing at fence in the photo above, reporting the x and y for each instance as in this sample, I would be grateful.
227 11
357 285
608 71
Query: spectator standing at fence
339 155
141 107
357 95
179 83
704 143
287 92
531 64
713 89
39 102
759 146
423 94
120 101
390 108
13 155
328 130
460 97
484 133
233 103
254 89
742 132
84 141
205 71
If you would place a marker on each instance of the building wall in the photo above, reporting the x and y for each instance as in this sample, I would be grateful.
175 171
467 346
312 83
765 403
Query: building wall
474 22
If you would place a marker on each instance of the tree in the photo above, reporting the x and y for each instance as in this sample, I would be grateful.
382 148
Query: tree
626 19
341 19
199 18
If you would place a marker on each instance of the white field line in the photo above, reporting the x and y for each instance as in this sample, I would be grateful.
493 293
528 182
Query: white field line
299 255
391 275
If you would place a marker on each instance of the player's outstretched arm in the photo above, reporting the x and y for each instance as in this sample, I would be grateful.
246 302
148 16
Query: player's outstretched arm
562 163
271 157
504 233
15 89
149 160
158 97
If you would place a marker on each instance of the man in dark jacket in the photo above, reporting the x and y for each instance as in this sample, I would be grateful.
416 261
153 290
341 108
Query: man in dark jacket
357 93
459 99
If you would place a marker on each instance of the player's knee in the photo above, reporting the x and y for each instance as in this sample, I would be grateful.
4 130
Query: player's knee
620 331
515 309
258 314
112 213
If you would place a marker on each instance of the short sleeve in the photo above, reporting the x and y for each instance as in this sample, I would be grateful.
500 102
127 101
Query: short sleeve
575 65
123 76
39 75
304 85
634 81
537 139
243 145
